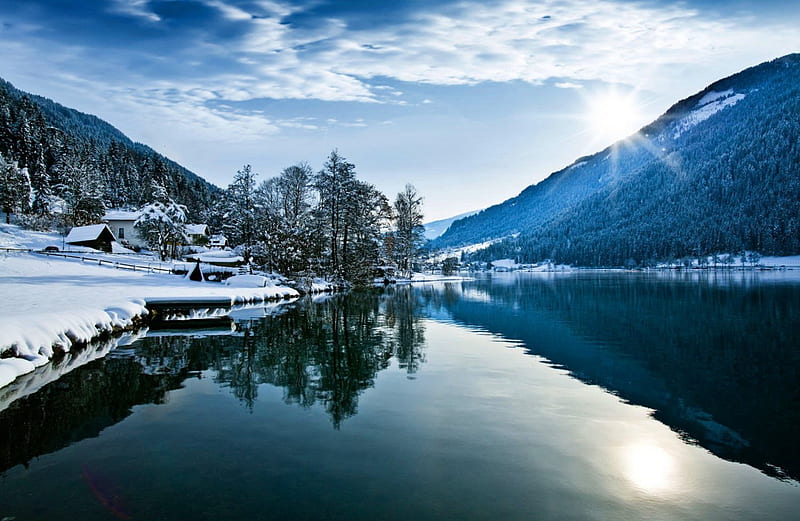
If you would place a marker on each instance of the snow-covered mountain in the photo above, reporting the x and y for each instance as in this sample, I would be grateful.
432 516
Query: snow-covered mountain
434 229
719 171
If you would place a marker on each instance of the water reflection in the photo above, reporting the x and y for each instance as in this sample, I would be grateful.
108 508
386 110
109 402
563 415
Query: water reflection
649 467
79 405
716 358
323 353
327 352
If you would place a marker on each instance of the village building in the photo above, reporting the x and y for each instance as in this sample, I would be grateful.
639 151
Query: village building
97 236
218 242
121 223
198 234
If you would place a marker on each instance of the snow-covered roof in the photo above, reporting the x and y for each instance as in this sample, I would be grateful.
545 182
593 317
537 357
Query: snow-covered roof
197 229
122 215
504 263
86 233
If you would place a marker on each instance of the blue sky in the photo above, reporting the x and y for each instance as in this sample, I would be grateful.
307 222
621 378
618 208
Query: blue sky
470 101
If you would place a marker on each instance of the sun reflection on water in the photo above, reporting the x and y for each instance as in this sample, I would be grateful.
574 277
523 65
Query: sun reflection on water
650 468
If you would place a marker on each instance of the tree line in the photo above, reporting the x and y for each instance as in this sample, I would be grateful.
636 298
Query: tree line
60 166
327 223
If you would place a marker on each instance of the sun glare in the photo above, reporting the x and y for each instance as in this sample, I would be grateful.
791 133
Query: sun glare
650 468
612 116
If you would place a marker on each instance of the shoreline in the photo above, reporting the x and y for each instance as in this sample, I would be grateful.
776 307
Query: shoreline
52 306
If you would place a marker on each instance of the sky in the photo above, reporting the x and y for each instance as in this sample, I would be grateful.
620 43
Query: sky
470 101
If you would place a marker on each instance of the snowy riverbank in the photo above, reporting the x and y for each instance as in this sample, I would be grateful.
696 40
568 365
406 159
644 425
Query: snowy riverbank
52 303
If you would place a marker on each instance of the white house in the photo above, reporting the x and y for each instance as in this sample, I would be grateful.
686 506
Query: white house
121 223
218 241
196 232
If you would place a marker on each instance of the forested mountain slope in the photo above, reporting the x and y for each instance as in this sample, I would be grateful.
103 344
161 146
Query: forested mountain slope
719 171
70 156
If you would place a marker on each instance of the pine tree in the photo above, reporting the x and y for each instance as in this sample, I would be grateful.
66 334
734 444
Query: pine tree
15 188
240 213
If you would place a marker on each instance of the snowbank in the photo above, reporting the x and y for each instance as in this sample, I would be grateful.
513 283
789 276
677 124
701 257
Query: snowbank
29 383
247 281
433 277
53 303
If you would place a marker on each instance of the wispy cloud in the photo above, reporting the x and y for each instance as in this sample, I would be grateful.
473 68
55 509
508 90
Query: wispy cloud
134 8
231 52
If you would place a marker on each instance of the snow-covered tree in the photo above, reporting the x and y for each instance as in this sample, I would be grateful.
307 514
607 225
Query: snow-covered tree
409 232
163 227
15 188
239 219
283 236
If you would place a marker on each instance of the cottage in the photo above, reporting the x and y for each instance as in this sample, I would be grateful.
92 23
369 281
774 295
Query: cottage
97 236
197 233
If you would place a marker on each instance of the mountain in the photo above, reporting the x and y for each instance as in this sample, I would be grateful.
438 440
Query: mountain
718 172
434 229
71 156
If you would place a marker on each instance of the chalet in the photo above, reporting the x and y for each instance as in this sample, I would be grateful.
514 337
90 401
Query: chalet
97 236
198 233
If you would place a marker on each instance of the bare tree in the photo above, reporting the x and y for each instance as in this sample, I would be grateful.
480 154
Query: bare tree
409 233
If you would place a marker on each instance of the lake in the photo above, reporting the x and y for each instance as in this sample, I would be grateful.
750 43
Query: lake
512 396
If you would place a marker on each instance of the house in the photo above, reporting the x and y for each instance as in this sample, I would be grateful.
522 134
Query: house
121 224
97 236
197 233
505 265
218 241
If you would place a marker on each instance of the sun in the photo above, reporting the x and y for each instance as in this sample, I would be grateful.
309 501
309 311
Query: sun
612 115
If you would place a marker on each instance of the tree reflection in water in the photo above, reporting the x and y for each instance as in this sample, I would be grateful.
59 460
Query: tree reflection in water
326 352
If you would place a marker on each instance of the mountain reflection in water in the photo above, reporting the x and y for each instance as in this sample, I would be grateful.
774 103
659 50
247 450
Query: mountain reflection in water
715 356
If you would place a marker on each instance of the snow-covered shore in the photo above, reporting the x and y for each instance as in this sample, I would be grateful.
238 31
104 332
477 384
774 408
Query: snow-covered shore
51 303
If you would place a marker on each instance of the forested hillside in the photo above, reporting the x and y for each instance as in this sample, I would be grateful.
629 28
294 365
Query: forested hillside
77 163
718 172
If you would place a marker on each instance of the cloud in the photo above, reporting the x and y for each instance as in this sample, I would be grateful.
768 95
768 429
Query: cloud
568 85
135 8
197 63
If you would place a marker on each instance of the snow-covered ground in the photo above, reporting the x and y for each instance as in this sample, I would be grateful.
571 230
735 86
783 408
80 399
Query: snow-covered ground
709 105
435 277
12 236
50 301
789 262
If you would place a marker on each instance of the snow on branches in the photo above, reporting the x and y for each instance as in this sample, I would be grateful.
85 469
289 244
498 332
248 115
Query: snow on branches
163 227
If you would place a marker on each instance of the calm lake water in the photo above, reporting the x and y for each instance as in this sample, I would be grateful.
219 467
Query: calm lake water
519 396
